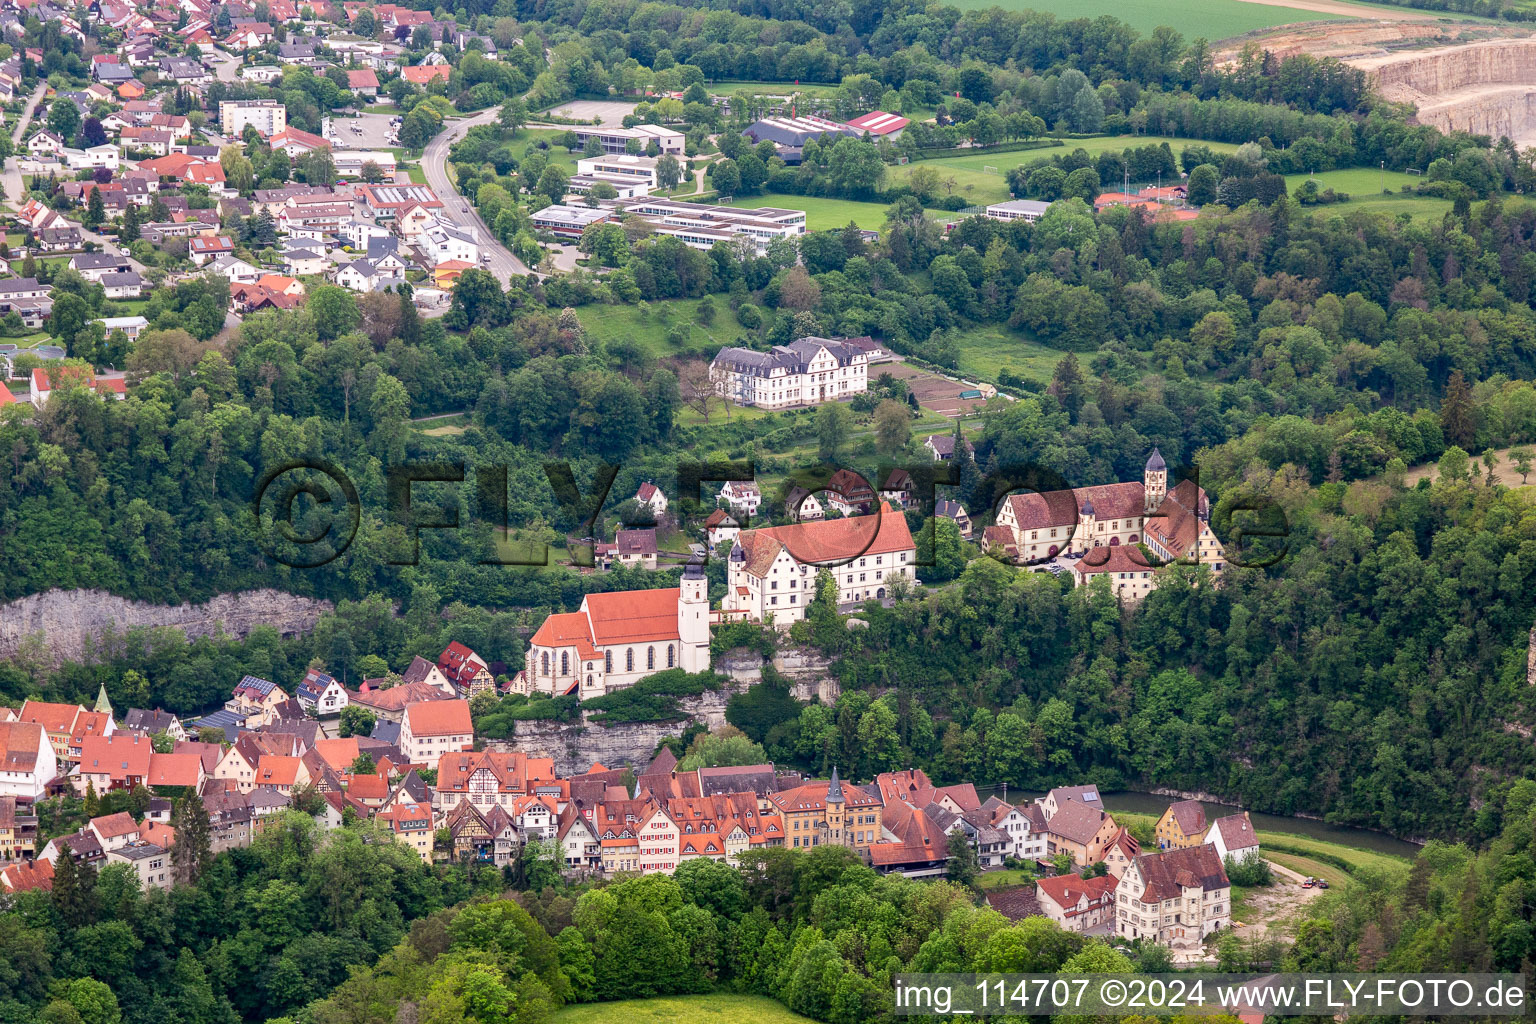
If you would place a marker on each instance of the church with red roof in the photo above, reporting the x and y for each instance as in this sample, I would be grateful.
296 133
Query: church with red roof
616 639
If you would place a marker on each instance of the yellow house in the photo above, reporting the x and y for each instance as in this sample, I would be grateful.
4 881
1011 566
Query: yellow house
1182 825
446 274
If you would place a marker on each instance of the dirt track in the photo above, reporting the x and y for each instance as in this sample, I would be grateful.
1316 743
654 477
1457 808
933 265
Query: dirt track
1347 10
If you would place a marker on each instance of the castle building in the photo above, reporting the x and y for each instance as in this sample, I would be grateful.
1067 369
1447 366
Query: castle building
823 813
615 639
1173 524
771 573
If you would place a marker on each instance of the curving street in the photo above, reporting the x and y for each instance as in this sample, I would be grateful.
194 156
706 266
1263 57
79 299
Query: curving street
457 209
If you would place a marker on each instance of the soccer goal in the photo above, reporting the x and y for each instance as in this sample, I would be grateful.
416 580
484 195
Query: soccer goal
989 169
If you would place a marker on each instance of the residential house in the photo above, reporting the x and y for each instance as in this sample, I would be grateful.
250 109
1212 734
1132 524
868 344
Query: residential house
429 729
303 262
1080 831
1120 852
954 511
1082 905
465 669
411 824
125 285
720 528
1182 824
364 82
202 249
58 720
1054 800
175 771
118 761
321 694
635 548
18 829
150 862
28 760
366 276
942 446
1233 836
741 497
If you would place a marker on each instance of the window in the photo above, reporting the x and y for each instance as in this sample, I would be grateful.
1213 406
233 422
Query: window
544 661
607 661
565 662
670 656
629 659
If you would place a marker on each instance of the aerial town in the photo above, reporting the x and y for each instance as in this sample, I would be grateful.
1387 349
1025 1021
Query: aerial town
484 805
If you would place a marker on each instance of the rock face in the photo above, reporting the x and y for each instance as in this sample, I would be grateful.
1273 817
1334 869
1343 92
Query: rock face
69 620
1487 87
575 746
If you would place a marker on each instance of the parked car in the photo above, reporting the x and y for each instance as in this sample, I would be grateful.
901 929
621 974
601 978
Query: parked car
1308 882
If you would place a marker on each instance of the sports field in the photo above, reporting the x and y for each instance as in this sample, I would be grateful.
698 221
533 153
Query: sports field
822 214
1213 19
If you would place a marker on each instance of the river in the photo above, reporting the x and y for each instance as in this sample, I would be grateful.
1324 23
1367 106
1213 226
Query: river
1146 803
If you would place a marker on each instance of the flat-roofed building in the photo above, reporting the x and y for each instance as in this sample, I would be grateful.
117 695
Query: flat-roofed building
616 140
701 225
569 221
1018 209
620 168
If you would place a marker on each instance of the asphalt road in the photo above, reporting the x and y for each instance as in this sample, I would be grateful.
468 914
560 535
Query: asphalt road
434 162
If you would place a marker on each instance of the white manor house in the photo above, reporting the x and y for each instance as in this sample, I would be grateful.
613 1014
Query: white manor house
806 372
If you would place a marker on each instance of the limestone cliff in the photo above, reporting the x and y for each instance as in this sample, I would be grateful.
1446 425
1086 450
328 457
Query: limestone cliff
67 621
575 746
1487 87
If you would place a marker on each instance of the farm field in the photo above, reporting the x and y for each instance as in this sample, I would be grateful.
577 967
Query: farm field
1217 19
720 1008
821 213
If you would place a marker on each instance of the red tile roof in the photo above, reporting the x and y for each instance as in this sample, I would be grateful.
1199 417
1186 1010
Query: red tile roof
439 718
1067 890
827 542
424 73
119 756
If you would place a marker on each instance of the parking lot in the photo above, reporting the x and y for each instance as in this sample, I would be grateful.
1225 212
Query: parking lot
612 112
366 131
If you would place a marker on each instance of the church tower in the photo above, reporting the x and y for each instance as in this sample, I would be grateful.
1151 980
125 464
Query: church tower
1084 539
1154 480
693 620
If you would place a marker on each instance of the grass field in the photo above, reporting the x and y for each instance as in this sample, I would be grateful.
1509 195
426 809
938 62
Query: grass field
711 1009
822 214
771 88
985 350
1004 879
1217 19
649 328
